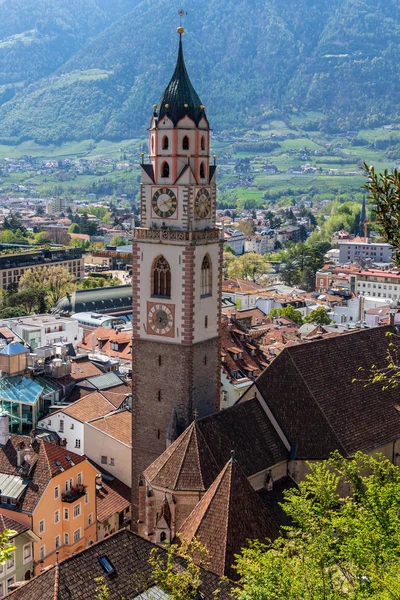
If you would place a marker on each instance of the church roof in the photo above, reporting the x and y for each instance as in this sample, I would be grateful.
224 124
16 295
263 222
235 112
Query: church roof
180 95
187 465
229 514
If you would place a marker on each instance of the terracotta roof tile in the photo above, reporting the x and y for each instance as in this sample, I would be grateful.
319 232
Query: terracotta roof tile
8 523
118 425
91 406
229 514
310 390
74 577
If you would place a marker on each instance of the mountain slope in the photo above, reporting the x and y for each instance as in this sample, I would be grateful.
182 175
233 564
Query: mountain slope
245 58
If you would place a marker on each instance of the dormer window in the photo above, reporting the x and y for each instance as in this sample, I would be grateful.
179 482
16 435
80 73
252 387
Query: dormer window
165 143
185 143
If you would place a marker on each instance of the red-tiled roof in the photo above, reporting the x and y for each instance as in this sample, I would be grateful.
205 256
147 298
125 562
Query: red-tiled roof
118 425
91 406
228 515
11 524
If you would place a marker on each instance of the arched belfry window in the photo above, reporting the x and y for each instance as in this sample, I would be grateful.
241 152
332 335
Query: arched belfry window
165 142
165 169
185 143
206 276
203 143
202 170
161 278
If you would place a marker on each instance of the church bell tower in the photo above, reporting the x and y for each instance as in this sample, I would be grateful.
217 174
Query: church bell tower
177 276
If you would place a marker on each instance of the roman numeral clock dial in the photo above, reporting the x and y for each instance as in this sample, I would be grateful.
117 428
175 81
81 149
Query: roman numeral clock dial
164 203
202 203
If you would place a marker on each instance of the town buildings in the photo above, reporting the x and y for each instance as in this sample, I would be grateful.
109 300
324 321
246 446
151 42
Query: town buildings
363 249
13 266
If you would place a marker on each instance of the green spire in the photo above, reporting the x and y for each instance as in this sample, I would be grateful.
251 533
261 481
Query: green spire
180 98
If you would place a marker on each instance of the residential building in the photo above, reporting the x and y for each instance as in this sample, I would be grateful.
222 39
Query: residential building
363 249
109 342
69 422
20 566
113 504
108 442
59 204
122 560
235 239
256 243
382 284
49 489
13 266
45 330
289 233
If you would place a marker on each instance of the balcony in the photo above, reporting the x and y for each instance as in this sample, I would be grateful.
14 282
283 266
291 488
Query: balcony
74 494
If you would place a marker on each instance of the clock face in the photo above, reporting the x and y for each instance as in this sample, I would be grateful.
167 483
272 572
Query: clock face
202 203
160 319
164 203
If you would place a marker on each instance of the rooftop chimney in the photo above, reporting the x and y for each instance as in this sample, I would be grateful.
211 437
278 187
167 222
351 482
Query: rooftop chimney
4 429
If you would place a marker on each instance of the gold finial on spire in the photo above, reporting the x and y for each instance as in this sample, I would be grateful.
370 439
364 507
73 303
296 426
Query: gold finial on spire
181 14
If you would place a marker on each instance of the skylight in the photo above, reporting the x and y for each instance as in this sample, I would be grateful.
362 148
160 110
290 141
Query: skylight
106 564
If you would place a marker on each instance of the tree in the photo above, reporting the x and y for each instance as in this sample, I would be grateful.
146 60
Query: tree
289 312
55 281
74 228
344 541
248 266
384 191
290 273
179 583
246 226
116 240
319 316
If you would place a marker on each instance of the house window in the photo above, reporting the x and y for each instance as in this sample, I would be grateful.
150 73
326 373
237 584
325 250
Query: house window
202 171
112 462
104 460
42 552
185 143
66 539
165 169
71 426
77 510
165 142
11 562
77 535
57 542
77 443
41 526
206 276
27 552
10 582
79 478
57 516
161 279
87 498
56 492
61 427
90 519
49 422
66 514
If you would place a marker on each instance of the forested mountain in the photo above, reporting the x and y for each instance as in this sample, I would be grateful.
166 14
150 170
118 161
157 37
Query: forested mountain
246 58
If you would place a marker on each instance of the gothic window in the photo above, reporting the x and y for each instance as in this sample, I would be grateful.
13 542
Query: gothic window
185 143
203 143
161 277
206 276
165 143
165 169
202 171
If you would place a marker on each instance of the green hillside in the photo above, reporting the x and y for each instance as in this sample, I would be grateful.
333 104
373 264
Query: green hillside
249 60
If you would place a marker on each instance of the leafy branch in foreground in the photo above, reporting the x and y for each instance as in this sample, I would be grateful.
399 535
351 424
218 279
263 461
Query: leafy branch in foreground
388 376
179 578
384 191
344 541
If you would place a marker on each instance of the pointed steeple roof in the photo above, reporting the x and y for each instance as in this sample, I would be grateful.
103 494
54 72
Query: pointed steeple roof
187 465
228 514
180 98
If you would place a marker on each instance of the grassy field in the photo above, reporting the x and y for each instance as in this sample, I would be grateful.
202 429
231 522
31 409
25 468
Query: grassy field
336 159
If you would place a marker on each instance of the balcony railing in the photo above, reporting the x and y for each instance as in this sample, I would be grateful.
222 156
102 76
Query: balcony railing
74 494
